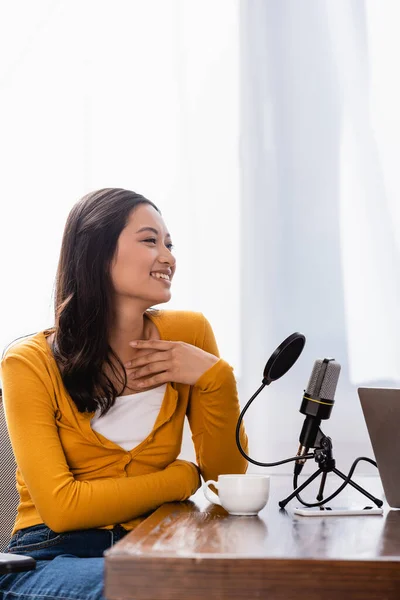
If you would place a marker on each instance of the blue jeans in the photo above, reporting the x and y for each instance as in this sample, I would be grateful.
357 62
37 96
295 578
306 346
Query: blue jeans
69 565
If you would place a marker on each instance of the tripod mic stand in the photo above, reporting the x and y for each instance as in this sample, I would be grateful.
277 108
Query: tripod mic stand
315 408
323 456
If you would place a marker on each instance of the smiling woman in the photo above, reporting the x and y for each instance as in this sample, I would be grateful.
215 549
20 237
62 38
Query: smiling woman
107 391
140 260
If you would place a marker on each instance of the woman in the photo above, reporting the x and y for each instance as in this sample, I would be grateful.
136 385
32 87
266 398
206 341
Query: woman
95 406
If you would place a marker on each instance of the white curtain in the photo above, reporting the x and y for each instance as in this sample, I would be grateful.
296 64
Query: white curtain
268 133
321 228
141 94
365 40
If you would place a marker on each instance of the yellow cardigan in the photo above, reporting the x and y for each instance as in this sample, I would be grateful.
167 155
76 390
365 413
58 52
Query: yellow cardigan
70 477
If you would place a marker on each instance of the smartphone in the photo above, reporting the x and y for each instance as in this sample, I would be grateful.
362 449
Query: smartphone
327 511
11 563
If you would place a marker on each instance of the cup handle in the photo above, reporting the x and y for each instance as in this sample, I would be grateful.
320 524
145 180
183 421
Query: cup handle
209 494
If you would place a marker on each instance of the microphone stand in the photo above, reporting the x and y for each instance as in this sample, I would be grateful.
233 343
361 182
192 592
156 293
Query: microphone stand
322 455
280 361
326 464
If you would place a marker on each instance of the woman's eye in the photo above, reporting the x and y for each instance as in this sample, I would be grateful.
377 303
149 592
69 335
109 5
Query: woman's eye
154 241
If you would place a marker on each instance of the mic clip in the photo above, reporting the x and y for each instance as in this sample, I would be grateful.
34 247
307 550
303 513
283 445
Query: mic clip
323 455
319 446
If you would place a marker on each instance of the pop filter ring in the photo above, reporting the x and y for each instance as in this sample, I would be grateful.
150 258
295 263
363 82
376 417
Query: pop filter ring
279 363
284 357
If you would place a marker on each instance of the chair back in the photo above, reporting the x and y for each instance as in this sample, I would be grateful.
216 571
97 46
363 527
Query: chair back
9 496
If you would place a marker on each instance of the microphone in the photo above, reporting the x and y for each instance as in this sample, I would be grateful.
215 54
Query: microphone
317 404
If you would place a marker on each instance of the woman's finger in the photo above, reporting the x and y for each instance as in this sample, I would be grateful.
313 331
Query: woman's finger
148 369
153 344
149 382
143 358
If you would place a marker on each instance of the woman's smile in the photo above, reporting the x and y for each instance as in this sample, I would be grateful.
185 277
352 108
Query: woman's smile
161 276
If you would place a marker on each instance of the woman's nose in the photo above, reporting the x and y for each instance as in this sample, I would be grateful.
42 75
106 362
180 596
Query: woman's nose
167 257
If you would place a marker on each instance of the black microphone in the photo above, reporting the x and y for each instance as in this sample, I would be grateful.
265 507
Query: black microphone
317 404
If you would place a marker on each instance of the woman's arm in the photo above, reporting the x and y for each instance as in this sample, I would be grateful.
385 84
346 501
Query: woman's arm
213 414
63 502
213 409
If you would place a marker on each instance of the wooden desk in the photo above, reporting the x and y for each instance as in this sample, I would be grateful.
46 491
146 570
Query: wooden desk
193 551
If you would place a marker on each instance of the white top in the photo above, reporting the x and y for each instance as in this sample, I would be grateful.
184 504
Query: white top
131 419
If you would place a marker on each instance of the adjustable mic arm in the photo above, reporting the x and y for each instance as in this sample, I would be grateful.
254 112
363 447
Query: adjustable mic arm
243 453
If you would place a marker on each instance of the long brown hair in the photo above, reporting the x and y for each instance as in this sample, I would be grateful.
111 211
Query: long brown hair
83 296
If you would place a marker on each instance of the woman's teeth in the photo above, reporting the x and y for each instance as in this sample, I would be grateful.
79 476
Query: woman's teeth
160 276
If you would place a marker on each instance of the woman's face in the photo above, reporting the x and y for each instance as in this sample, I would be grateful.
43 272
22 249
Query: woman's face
143 265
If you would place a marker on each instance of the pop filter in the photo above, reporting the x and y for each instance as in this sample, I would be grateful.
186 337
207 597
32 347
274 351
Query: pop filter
284 357
279 363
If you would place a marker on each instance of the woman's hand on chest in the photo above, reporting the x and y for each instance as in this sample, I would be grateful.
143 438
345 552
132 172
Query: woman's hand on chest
160 361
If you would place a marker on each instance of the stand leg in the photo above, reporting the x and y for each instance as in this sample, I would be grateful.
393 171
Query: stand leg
322 486
283 503
359 488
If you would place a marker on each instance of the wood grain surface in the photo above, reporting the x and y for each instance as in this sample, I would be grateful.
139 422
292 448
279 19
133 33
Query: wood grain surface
193 550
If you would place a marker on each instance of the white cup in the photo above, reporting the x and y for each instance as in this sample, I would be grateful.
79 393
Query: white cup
239 494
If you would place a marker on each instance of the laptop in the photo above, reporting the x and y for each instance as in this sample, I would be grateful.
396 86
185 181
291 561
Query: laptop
381 408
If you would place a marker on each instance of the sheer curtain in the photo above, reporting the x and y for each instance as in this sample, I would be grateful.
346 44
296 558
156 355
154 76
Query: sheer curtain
367 51
128 93
321 228
266 131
